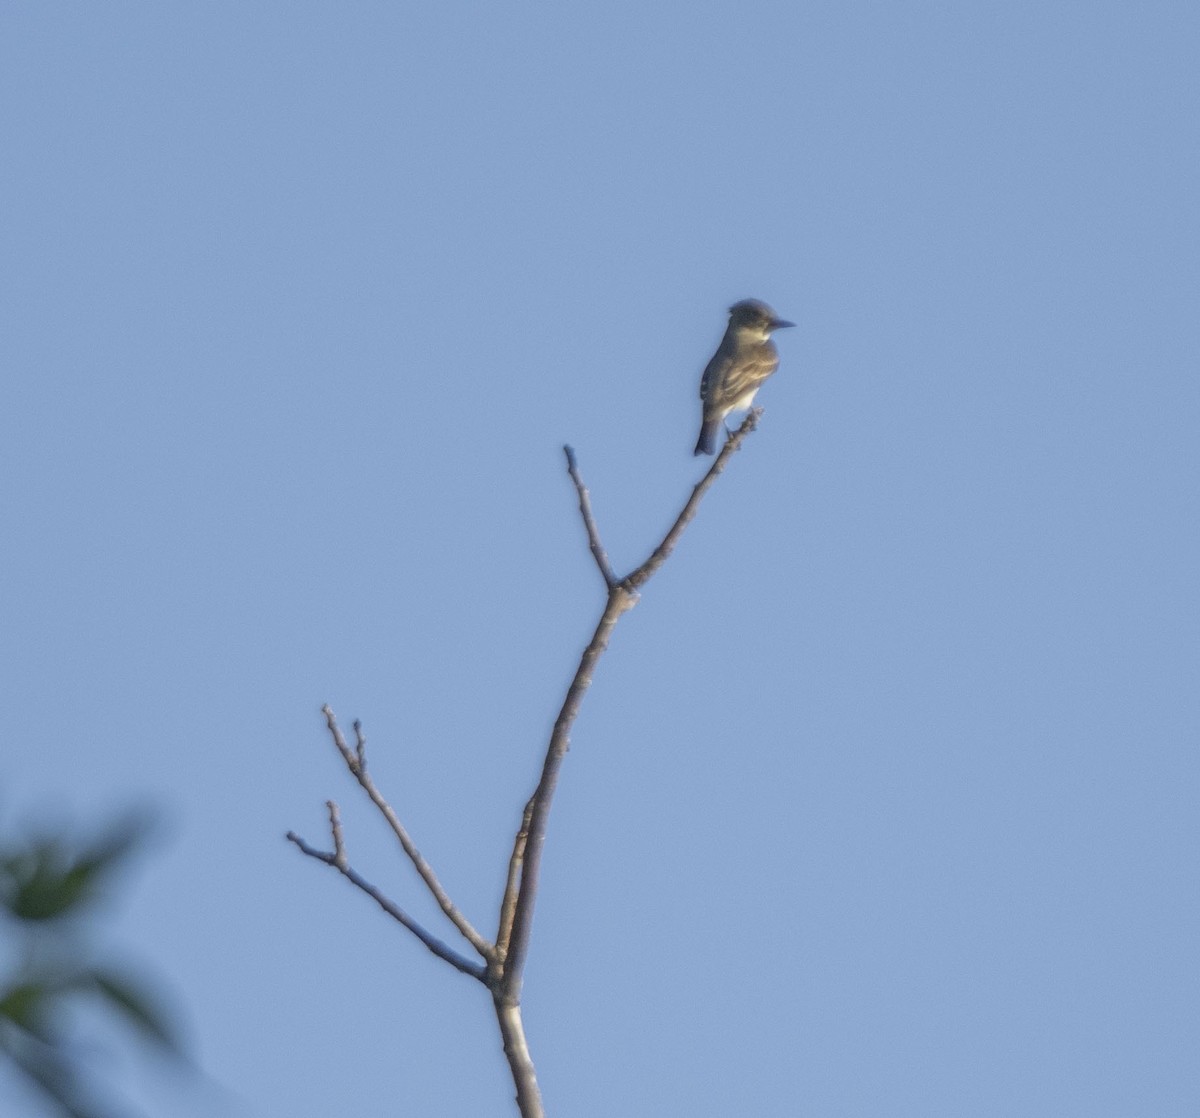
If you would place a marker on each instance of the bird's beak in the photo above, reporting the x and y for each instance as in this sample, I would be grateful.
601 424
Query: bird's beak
779 324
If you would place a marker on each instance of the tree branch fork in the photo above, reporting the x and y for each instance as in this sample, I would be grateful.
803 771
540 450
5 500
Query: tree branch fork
501 961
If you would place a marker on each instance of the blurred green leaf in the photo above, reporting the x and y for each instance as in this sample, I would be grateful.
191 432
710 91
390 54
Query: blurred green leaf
137 1006
36 996
45 882
51 885
27 1004
43 888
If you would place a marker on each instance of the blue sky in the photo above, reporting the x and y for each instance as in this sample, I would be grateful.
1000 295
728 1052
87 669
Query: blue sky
884 800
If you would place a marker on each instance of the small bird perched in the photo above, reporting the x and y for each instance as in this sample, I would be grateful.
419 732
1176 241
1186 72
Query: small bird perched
744 359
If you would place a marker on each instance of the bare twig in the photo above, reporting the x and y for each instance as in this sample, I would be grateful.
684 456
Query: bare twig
619 600
339 838
360 745
659 556
525 863
338 860
356 762
505 961
589 521
516 865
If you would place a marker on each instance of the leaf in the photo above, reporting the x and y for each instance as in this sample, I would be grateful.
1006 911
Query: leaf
27 1004
45 889
46 881
138 1008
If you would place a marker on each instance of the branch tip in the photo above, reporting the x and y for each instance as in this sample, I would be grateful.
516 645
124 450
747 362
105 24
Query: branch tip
589 521
339 839
520 895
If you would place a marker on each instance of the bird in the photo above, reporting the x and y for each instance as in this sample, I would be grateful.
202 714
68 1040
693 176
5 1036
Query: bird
744 359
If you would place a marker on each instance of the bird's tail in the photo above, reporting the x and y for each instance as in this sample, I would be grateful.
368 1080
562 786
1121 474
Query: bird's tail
707 443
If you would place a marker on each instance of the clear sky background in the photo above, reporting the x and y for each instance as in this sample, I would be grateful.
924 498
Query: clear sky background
884 801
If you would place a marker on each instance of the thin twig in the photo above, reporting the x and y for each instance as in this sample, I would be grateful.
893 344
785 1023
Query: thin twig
339 839
360 745
589 521
659 556
355 761
619 600
516 864
505 968
525 863
339 863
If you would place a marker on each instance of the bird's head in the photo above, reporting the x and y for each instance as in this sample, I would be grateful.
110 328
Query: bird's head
755 315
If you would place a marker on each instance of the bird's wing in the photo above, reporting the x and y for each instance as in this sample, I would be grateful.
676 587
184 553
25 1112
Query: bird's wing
747 374
715 370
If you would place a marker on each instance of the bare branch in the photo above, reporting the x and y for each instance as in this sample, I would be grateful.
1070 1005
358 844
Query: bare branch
360 745
647 570
526 860
516 1051
339 839
589 521
516 865
619 600
503 974
338 860
356 762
